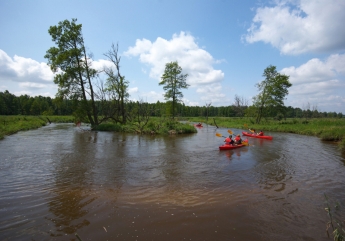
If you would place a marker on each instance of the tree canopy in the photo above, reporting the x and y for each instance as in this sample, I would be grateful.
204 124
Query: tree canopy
73 67
273 90
173 81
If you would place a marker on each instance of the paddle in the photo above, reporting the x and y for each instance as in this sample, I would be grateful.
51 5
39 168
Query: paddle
246 126
220 135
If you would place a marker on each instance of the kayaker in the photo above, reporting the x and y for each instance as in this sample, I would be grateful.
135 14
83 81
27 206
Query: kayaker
238 139
261 133
229 140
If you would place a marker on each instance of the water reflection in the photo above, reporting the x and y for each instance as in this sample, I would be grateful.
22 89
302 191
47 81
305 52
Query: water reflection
73 175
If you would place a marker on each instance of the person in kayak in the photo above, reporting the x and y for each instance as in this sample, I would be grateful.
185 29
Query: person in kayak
261 133
252 131
229 140
238 139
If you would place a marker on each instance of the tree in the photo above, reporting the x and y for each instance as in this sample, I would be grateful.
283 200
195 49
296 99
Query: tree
116 85
207 107
272 92
73 67
173 80
240 104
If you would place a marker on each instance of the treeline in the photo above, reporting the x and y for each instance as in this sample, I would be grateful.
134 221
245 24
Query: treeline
40 105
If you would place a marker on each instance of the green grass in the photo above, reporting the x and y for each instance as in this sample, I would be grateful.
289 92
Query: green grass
12 124
154 126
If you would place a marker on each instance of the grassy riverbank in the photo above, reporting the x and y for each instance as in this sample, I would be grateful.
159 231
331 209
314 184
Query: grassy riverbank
12 124
155 125
328 129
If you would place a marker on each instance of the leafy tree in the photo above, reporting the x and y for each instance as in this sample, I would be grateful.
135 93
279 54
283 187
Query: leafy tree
73 67
272 92
173 81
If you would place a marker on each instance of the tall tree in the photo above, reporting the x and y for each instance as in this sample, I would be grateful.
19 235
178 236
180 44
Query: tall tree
272 91
173 81
73 67
116 85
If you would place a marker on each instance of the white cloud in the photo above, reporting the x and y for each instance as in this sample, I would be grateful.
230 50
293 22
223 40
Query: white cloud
316 70
31 85
20 69
301 26
101 64
196 62
320 83
211 93
133 90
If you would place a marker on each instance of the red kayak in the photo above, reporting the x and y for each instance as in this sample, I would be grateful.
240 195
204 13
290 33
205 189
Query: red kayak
229 146
198 125
256 136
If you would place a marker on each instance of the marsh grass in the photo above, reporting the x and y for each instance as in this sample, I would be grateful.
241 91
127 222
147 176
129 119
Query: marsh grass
155 125
335 223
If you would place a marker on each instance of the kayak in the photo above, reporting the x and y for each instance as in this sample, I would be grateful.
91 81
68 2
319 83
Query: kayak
229 146
198 125
256 136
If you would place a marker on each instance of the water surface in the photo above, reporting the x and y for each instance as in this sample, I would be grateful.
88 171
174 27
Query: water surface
60 180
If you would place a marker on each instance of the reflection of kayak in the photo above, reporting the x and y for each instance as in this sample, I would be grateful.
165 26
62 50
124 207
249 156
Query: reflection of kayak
229 146
198 125
256 136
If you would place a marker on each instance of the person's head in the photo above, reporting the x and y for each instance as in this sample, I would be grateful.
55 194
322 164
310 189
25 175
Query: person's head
238 135
230 136
260 131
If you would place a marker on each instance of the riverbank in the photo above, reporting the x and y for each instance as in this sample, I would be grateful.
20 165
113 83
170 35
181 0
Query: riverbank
12 124
328 129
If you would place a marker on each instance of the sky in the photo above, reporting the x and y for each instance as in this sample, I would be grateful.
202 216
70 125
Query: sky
223 45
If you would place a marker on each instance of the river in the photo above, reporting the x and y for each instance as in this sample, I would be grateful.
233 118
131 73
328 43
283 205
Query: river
60 180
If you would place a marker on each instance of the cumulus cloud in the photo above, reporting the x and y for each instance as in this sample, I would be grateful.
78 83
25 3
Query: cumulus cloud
316 70
195 62
20 69
101 64
318 82
211 93
296 27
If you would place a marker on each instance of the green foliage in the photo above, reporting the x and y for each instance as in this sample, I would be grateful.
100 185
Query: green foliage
109 127
154 126
69 61
272 92
173 81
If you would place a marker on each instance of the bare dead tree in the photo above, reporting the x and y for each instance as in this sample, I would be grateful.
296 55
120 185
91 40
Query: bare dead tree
207 106
141 115
116 84
240 103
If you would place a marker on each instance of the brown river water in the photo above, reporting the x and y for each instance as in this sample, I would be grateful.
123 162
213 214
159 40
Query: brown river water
60 180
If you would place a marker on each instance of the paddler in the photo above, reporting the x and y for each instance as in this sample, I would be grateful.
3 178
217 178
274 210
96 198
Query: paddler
238 139
229 140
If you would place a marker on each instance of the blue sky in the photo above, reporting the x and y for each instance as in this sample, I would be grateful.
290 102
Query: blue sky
223 45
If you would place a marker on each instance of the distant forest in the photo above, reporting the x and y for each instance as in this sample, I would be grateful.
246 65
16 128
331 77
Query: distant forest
40 105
